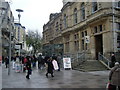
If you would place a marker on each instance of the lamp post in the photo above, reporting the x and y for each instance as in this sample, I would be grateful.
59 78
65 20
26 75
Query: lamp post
19 16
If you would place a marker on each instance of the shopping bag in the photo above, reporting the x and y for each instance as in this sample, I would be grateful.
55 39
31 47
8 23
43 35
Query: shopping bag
109 86
55 65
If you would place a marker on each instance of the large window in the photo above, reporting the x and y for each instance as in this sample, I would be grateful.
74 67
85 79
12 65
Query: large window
82 11
65 20
94 6
75 15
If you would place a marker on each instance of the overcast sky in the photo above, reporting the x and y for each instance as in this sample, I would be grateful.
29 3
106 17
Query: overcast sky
36 12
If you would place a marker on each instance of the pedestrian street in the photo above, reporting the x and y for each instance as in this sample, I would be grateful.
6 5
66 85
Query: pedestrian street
62 79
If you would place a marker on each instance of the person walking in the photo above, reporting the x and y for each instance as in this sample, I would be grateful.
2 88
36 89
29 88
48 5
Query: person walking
40 62
114 77
28 66
113 60
49 67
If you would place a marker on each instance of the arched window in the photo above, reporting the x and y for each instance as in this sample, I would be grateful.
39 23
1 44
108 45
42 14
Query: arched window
75 15
65 20
82 11
94 6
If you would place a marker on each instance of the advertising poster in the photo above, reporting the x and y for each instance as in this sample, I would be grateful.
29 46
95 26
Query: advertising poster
67 63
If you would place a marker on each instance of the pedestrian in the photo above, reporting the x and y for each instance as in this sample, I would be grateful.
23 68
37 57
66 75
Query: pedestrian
40 62
6 62
49 67
113 60
114 77
59 62
28 66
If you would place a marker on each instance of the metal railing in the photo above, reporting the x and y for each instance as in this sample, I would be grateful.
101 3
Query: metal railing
76 59
104 60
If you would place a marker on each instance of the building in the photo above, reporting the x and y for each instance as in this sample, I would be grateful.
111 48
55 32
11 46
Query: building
7 28
85 27
20 36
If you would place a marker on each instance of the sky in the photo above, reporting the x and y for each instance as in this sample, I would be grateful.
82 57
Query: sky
36 12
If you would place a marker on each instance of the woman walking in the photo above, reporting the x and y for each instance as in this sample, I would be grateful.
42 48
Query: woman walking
28 66
49 67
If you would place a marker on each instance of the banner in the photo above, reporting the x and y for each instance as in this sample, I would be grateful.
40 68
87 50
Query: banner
67 62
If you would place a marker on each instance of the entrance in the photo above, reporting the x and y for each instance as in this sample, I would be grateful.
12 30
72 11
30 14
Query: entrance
98 45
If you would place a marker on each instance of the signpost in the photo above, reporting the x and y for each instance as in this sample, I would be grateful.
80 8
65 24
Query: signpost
67 63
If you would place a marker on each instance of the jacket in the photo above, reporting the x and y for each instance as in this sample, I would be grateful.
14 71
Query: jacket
114 75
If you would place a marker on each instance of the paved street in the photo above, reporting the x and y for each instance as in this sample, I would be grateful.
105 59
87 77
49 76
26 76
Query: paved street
62 79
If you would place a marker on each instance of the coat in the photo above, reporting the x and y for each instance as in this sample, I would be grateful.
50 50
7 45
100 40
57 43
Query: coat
50 67
114 76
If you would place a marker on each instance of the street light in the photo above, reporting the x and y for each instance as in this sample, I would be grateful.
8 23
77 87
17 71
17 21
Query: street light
19 11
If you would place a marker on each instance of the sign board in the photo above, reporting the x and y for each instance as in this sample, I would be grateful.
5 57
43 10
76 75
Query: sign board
17 47
67 63
87 39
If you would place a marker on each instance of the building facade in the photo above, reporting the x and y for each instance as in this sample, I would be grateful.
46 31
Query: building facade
91 27
20 36
10 34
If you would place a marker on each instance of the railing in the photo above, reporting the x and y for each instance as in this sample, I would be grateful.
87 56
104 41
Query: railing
104 60
76 59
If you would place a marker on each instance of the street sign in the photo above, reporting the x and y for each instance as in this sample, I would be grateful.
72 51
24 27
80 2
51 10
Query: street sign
67 63
87 39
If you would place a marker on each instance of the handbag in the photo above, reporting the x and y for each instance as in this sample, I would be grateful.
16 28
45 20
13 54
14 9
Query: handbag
109 86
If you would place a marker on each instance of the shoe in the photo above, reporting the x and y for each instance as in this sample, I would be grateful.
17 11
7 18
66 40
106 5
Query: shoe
47 75
52 76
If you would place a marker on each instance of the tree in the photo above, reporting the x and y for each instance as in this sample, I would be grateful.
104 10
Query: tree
34 40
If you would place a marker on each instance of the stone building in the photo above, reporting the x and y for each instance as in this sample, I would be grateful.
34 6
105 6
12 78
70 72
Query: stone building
90 27
7 28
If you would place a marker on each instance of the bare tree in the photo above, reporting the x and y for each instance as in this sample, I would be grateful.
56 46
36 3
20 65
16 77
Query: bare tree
34 40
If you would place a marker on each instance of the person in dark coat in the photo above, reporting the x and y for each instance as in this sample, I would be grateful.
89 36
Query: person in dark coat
50 67
6 62
40 62
114 77
113 60
28 66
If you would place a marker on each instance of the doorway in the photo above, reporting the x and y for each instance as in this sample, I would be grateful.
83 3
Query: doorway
98 45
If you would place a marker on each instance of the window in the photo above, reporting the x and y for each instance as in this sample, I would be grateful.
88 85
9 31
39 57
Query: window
118 41
118 26
75 15
100 28
85 33
60 24
65 20
57 26
95 29
82 44
82 11
94 6
82 34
